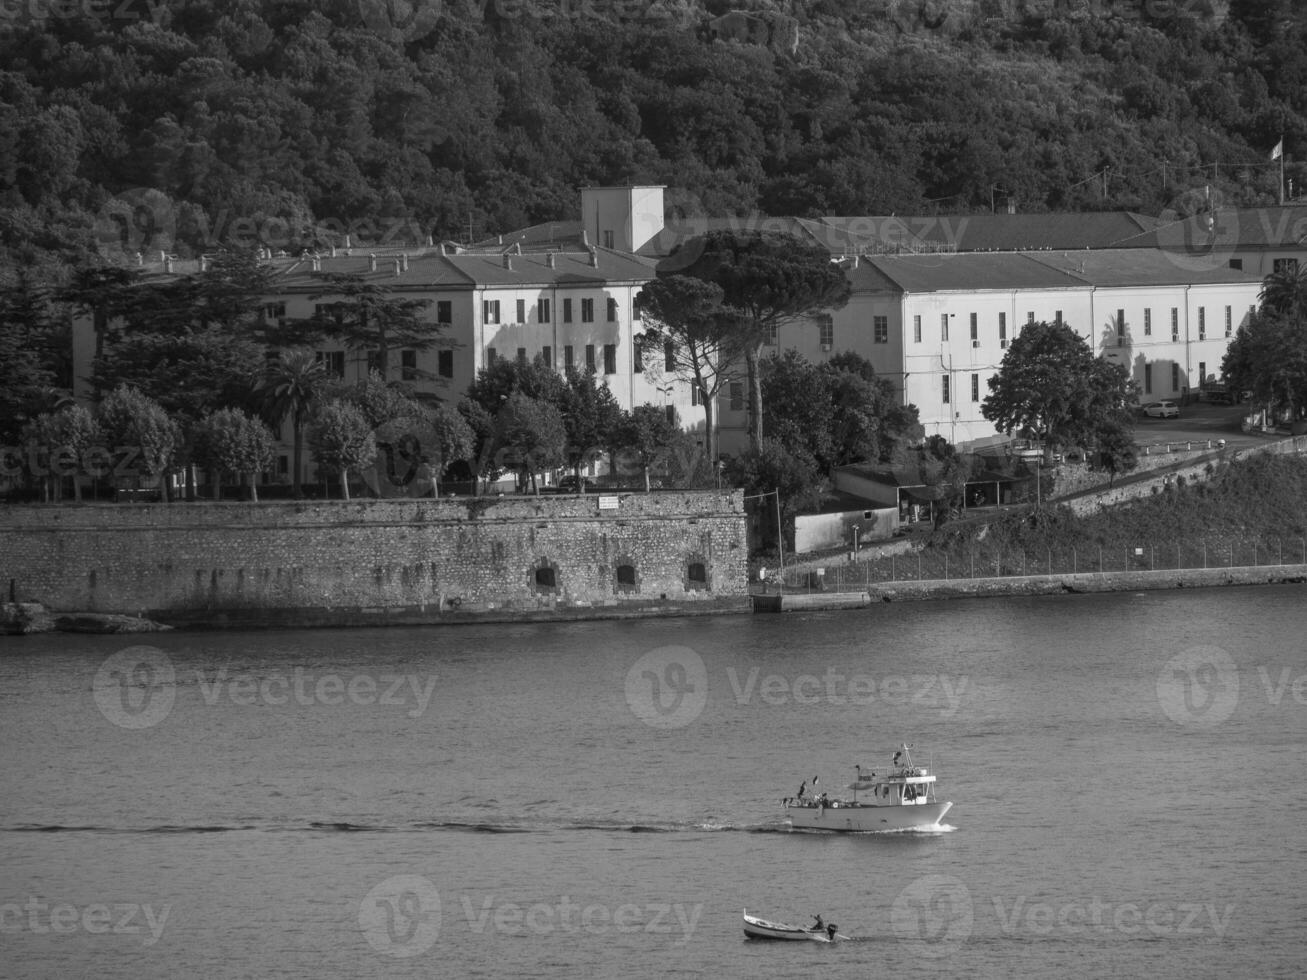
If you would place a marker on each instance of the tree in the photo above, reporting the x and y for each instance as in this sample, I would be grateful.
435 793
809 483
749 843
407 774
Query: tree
645 432
229 441
33 372
132 421
107 295
687 326
67 437
774 468
291 388
591 417
1284 291
370 317
1051 385
342 441
772 280
1116 450
1268 356
531 436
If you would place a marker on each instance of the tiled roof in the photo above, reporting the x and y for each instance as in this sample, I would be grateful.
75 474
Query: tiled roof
430 269
1228 229
1142 267
985 232
970 271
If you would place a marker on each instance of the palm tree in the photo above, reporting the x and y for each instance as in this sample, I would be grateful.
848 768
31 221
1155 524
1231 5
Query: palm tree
1284 291
291 388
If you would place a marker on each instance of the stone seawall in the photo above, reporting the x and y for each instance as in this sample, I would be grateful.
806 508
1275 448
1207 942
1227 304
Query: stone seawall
455 559
1184 578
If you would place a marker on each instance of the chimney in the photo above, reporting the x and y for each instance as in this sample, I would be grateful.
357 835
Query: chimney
163 256
585 238
396 266
140 259
403 262
204 263
167 263
317 262
333 251
442 249
501 239
594 259
430 242
517 248
508 261
372 261
348 244
549 259
1011 205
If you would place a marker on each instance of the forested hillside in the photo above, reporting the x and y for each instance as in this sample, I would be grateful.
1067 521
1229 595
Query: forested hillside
292 119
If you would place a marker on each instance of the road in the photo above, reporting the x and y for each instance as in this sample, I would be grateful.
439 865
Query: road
1199 422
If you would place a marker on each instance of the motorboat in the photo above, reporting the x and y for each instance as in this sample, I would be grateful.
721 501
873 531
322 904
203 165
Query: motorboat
756 928
902 798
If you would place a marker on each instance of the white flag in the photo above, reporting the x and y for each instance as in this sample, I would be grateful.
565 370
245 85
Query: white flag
1279 150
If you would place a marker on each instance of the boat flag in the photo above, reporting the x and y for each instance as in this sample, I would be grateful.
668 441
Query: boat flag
1278 152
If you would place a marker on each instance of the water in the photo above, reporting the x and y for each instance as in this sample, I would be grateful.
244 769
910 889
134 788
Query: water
515 801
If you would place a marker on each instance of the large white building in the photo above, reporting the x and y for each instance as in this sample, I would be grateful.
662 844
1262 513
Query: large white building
936 300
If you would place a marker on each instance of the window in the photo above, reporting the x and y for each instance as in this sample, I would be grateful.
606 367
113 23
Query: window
943 326
610 358
1148 322
1236 264
567 311
1030 316
608 238
1002 330
771 339
1148 379
626 578
568 359
1202 323
880 329
587 311
975 329
490 357
333 362
521 311
589 357
916 328
944 388
1175 377
737 396
1229 320
445 363
1057 317
408 365
1289 266
547 355
1120 327
694 394
637 354
696 576
546 579
670 412
490 310
1175 323
612 310
826 331
669 356
274 311
975 387
329 311
542 310
521 355
1202 373
374 361
444 311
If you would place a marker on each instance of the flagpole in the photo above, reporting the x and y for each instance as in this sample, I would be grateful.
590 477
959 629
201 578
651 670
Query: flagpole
1281 170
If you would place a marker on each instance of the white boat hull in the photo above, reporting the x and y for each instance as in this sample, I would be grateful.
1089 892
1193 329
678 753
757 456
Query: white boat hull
756 928
860 817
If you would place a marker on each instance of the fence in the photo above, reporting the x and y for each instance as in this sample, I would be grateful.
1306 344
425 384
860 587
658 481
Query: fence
994 562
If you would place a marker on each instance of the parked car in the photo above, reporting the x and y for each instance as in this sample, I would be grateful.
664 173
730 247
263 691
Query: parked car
1162 410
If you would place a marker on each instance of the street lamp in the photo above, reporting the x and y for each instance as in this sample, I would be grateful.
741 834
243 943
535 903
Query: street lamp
856 529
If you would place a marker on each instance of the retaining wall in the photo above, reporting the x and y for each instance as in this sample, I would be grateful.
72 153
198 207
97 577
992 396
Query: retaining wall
382 560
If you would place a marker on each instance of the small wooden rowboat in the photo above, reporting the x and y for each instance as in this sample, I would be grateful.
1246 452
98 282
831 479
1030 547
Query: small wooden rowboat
756 928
